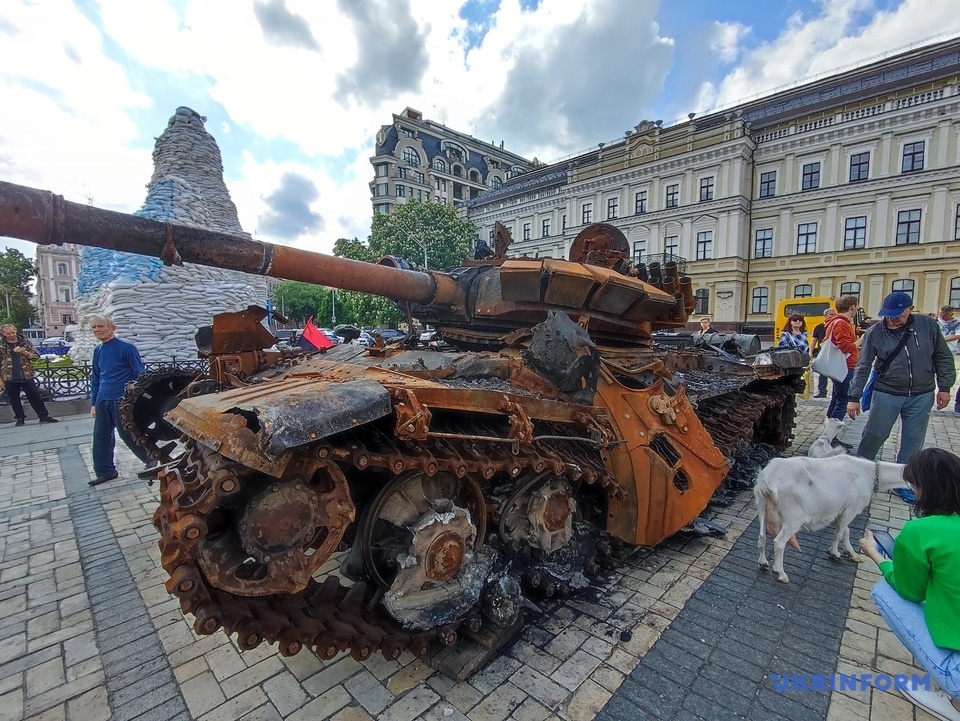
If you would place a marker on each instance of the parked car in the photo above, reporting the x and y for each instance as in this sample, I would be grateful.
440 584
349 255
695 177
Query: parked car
364 339
391 335
53 342
331 336
286 337
428 335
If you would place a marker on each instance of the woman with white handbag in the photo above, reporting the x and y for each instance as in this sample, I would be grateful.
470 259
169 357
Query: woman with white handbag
841 336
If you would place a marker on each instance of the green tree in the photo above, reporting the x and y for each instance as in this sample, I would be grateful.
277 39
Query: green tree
405 232
298 301
16 273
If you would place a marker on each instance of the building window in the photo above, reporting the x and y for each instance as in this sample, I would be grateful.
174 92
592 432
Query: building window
411 158
401 173
401 191
671 245
61 268
381 208
66 318
420 178
705 245
811 176
912 157
438 164
420 196
526 231
563 222
382 170
706 189
613 208
804 290
545 229
702 296
906 285
954 298
859 167
851 288
768 184
639 250
760 300
806 238
586 213
63 295
956 224
640 204
673 196
763 243
381 190
496 183
908 227
855 233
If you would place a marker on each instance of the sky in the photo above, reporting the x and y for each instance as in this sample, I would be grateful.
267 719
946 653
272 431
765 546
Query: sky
294 91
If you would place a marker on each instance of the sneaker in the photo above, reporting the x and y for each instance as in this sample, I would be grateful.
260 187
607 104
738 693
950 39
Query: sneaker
20 422
906 494
48 419
820 395
935 703
104 478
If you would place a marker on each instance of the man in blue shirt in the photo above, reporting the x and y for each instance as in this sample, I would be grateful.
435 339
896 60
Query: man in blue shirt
115 363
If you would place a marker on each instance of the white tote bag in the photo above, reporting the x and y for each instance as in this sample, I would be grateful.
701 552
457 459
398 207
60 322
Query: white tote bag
831 361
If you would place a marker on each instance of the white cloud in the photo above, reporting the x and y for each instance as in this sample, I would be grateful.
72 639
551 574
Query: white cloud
727 38
827 43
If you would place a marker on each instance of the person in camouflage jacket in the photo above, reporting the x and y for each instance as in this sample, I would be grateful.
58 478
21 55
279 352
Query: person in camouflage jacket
16 369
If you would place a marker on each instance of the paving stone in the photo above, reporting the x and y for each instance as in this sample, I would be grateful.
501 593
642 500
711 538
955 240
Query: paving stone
411 706
374 698
499 704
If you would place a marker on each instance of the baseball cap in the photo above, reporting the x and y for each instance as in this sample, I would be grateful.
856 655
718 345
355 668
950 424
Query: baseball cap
894 304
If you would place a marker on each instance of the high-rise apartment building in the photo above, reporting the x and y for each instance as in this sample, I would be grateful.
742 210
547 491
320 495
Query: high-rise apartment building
846 185
423 160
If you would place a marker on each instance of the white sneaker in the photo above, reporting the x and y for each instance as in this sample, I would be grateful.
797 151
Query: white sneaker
935 703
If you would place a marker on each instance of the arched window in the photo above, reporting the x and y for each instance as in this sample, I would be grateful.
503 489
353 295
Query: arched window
907 285
61 268
703 301
410 157
438 164
851 288
457 171
760 300
803 291
474 176
496 183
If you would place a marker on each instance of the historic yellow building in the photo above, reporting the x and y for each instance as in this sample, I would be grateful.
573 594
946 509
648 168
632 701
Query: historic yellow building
849 184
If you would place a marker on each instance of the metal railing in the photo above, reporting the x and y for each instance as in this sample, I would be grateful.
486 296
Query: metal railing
63 382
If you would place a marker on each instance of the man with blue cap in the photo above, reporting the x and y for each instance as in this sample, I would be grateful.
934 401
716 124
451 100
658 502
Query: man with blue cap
916 363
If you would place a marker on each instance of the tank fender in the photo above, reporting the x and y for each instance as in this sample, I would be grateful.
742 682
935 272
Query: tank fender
300 417
259 424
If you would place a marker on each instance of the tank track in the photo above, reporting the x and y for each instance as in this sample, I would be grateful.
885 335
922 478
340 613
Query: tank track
760 413
327 616
144 402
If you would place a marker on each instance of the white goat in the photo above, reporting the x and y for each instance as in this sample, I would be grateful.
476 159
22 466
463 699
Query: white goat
801 493
823 447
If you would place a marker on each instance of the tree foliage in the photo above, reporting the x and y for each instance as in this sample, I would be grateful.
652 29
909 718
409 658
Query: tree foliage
402 233
16 273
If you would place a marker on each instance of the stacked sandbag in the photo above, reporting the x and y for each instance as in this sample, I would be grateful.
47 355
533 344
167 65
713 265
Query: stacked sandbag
157 307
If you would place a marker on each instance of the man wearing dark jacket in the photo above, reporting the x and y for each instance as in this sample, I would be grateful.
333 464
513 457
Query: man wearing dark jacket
906 388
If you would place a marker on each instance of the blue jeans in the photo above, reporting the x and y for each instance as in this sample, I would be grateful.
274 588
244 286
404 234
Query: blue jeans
105 423
914 415
905 619
838 401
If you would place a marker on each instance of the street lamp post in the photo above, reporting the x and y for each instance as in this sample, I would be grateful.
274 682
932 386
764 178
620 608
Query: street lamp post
333 306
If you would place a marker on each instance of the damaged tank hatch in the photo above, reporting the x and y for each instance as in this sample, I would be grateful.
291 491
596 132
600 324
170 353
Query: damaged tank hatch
452 486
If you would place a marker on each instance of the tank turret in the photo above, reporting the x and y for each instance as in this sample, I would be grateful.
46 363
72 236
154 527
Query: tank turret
462 482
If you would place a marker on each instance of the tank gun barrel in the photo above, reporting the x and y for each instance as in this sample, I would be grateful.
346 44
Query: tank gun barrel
45 218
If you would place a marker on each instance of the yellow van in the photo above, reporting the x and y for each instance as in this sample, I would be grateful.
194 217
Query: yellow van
810 308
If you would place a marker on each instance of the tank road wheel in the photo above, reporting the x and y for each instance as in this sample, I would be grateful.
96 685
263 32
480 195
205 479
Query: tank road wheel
274 534
540 513
144 404
422 541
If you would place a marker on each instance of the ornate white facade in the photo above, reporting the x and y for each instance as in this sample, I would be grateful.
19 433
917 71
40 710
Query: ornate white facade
850 184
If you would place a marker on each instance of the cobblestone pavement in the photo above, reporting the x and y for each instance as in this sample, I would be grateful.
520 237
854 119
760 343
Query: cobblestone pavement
689 629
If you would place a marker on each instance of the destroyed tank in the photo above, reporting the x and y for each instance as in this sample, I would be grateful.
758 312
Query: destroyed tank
400 497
